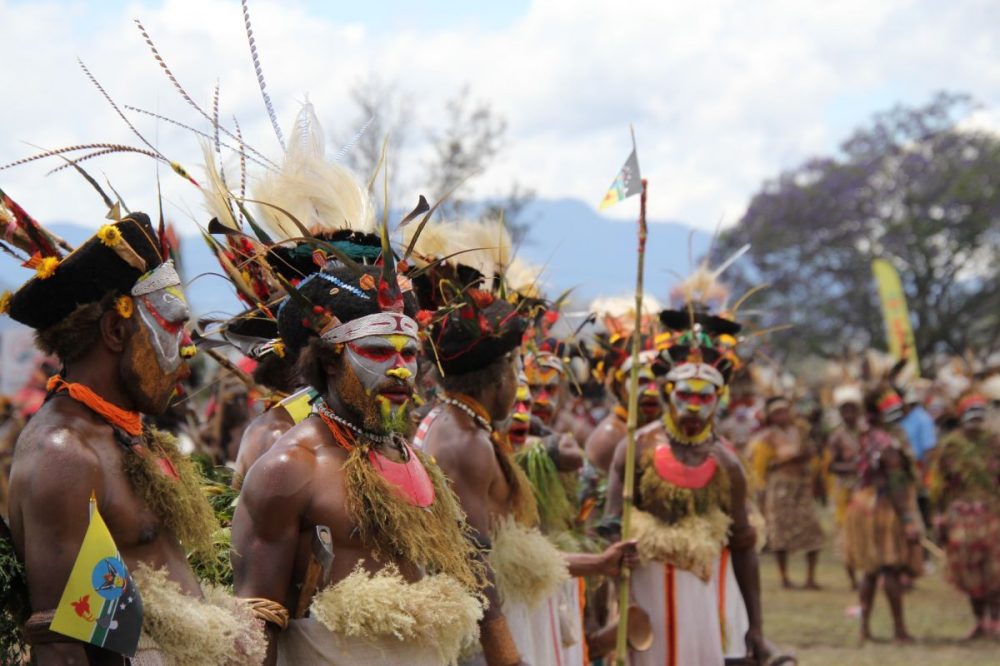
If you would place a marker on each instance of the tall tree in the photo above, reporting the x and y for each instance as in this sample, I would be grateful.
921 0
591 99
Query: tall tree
913 187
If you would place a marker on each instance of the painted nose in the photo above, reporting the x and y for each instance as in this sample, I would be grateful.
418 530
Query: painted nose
399 373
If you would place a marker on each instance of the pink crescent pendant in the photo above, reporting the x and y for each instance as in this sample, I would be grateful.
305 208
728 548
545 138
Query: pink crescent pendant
674 471
409 479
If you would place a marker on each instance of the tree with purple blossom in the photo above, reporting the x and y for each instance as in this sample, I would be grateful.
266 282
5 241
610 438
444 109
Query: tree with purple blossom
914 187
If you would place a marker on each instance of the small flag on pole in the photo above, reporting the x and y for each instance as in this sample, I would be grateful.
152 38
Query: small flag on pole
627 182
100 604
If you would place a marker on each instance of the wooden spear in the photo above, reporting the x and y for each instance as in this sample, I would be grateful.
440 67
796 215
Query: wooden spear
633 412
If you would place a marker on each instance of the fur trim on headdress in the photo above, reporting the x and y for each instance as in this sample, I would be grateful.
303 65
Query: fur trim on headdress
527 566
322 195
436 611
691 543
218 630
485 246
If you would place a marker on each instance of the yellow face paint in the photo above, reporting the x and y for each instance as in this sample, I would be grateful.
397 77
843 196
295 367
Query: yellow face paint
399 373
523 393
398 341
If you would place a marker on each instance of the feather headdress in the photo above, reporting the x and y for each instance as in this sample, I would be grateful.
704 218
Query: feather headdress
322 195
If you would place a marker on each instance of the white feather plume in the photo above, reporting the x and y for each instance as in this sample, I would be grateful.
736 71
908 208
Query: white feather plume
484 245
323 195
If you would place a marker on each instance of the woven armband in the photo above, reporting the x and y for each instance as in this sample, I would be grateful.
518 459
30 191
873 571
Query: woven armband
269 611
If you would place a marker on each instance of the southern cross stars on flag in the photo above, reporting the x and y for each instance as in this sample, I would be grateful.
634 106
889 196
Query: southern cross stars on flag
627 182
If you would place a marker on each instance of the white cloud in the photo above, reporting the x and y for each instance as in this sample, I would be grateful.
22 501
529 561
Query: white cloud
723 95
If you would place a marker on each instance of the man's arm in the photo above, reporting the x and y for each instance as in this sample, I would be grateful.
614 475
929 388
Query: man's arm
470 464
616 486
55 481
266 527
742 538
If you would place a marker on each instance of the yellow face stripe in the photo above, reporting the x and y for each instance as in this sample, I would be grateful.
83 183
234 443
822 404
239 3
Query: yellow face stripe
399 373
523 393
398 341
700 385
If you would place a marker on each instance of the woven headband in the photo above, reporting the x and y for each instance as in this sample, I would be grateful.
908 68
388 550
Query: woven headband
380 323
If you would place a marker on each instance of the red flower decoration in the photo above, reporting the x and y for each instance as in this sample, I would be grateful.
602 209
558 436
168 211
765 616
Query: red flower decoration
480 298
424 318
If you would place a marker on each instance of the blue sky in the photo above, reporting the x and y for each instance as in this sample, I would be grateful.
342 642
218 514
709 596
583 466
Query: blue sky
723 95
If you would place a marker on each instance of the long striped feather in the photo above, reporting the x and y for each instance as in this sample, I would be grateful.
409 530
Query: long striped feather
262 161
112 147
114 106
173 79
255 57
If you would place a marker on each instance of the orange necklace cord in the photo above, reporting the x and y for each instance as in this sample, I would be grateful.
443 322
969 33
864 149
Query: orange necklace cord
130 422
341 435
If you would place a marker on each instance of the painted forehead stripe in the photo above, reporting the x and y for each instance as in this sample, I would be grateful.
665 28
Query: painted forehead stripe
696 371
161 277
381 323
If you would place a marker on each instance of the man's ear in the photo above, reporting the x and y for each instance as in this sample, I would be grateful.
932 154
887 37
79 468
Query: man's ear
330 358
115 330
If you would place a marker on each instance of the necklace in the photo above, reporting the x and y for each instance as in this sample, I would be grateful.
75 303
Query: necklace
687 440
324 410
478 418
128 421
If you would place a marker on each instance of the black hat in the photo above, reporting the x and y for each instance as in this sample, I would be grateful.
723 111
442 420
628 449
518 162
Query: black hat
682 320
112 260
341 292
472 335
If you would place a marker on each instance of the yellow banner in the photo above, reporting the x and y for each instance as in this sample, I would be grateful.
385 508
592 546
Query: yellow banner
898 331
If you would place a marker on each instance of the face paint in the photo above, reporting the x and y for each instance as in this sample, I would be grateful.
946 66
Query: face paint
520 422
164 313
385 368
650 406
693 403
545 384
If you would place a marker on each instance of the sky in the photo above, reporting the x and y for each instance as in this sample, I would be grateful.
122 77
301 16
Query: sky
722 95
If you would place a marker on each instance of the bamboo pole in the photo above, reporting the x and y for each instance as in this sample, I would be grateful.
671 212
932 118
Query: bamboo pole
633 409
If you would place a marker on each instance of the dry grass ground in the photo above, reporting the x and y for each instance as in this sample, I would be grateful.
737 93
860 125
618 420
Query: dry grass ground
816 625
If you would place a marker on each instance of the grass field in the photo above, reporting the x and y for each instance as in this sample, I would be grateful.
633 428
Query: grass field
816 625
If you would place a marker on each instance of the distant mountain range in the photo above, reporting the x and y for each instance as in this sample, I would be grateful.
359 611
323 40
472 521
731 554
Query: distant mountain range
578 247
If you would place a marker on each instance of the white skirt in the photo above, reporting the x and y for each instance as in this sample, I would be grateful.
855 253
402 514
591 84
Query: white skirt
695 622
306 641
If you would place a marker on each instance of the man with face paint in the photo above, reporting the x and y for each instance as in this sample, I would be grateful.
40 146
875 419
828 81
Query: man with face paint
602 442
394 580
968 496
690 514
114 314
548 382
478 375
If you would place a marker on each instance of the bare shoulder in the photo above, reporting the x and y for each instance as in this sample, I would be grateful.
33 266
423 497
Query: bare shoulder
262 432
58 446
284 473
729 460
459 449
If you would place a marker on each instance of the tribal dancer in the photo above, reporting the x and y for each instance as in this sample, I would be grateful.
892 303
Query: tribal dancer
611 430
783 460
341 518
967 491
549 384
882 525
330 204
474 338
845 449
114 313
691 512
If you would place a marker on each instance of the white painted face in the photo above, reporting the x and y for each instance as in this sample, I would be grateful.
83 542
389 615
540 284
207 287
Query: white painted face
380 360
693 400
164 313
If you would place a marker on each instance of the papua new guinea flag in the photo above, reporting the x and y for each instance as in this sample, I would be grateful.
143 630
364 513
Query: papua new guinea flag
100 604
627 182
